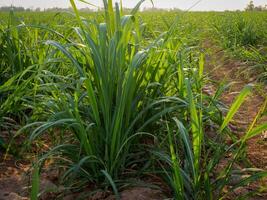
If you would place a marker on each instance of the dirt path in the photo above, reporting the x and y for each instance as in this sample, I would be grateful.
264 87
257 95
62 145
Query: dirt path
13 178
15 174
224 69
15 183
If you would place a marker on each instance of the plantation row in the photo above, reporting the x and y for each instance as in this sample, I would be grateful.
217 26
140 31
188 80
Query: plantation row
119 98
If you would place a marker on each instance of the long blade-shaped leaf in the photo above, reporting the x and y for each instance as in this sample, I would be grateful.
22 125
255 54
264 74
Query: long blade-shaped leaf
235 106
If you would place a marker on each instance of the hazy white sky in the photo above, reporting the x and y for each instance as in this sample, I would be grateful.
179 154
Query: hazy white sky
183 4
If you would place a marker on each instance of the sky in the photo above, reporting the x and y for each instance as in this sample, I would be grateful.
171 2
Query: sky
218 5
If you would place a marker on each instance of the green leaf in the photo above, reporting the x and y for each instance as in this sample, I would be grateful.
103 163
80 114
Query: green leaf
113 185
256 131
2 143
35 183
195 126
68 54
235 106
86 2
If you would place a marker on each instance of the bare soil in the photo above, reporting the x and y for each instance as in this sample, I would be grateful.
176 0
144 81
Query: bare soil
15 183
222 68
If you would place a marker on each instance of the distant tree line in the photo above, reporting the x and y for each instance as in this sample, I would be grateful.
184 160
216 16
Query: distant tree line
155 9
22 9
56 9
252 7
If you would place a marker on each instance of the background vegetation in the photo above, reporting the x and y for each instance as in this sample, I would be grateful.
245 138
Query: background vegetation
118 95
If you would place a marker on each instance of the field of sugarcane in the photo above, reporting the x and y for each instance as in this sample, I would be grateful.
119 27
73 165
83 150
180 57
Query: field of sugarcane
120 104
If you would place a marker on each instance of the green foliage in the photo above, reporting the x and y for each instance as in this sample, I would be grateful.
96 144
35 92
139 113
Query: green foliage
237 30
35 183
244 36
115 86
121 95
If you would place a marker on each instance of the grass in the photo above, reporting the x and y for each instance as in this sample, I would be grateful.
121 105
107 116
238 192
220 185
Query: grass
120 99
243 35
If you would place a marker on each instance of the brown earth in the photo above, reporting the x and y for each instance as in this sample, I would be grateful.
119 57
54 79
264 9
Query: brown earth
13 179
15 182
222 68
